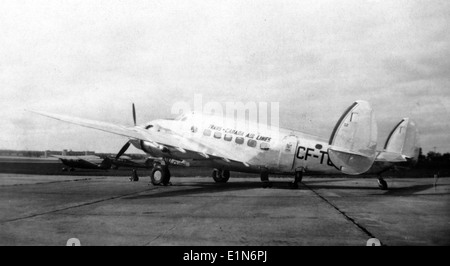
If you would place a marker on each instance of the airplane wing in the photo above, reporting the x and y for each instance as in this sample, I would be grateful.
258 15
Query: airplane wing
82 162
106 127
157 139
71 157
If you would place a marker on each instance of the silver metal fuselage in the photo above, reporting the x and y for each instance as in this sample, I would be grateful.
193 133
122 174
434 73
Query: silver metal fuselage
265 149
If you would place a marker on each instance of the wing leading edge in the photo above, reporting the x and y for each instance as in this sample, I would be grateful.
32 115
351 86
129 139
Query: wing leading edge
158 140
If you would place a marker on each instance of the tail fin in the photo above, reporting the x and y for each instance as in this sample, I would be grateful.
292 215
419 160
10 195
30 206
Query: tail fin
403 143
354 140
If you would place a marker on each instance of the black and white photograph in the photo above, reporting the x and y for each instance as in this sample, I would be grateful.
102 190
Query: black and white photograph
244 124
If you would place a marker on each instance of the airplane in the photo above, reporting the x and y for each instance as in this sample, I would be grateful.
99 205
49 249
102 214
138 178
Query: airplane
84 162
224 145
126 161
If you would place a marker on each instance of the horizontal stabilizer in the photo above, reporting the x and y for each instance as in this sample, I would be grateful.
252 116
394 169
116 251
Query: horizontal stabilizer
391 157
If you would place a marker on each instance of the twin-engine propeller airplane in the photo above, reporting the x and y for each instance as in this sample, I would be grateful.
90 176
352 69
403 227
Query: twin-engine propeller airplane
84 162
221 144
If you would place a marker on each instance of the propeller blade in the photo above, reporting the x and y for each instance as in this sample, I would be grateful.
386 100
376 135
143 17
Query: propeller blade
134 115
123 150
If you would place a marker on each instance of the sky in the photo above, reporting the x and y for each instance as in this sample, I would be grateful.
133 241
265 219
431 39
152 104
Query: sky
93 59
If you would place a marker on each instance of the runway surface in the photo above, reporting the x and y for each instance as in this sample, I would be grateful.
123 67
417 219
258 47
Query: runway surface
48 210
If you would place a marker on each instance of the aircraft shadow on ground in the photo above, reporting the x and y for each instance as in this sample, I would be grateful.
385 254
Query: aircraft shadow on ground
198 188
193 188
411 190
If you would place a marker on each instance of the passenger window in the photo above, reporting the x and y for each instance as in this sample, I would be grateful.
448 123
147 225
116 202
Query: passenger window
251 143
228 137
264 146
239 140
207 132
217 135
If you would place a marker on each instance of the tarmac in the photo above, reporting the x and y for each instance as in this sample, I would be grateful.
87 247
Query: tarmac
107 210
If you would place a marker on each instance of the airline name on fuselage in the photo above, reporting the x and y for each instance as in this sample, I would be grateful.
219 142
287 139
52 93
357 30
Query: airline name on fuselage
240 133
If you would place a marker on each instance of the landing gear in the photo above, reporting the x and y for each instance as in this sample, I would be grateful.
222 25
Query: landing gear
265 180
297 179
220 176
134 176
160 175
382 183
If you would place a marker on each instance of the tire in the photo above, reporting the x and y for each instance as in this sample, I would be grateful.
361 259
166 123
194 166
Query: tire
298 177
264 177
160 175
220 176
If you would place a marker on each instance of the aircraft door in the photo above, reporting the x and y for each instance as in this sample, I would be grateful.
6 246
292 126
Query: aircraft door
288 147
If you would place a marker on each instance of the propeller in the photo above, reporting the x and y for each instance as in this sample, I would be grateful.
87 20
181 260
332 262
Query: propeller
134 115
123 150
127 145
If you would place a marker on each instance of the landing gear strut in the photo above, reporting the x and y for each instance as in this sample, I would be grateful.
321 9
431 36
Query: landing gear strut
160 175
220 176
265 180
382 183
297 179
134 176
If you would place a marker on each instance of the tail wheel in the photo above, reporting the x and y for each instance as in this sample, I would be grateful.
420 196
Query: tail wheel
220 176
160 175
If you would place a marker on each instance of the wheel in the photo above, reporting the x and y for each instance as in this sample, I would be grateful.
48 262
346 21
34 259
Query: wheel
298 177
160 175
220 176
134 176
294 185
264 177
382 184
266 184
265 180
